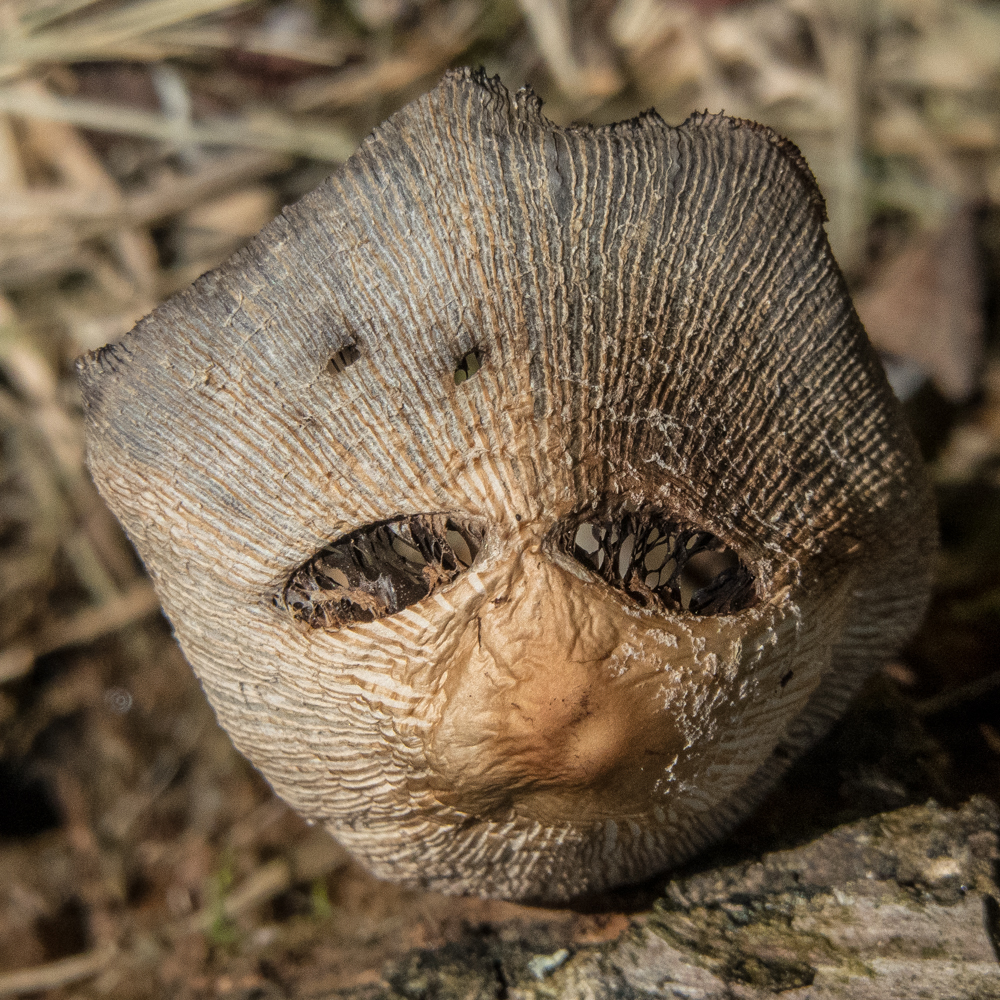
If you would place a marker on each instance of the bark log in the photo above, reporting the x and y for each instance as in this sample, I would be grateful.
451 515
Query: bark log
900 905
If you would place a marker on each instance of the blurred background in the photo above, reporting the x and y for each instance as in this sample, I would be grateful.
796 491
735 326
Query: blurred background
140 144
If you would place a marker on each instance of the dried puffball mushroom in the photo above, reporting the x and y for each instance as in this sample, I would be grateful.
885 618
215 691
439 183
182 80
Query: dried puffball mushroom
525 497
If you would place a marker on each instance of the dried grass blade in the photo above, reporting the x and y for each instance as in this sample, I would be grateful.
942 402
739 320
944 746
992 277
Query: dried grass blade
56 974
95 36
429 53
84 627
549 21
321 141
35 16
326 51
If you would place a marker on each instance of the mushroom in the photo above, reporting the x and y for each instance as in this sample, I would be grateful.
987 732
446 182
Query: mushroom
525 497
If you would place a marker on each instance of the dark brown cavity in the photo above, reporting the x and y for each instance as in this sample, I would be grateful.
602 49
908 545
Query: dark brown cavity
659 562
380 569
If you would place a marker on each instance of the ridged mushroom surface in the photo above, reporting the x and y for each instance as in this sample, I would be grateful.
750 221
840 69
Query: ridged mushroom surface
525 497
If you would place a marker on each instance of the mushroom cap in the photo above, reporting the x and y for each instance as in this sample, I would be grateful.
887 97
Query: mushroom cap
524 497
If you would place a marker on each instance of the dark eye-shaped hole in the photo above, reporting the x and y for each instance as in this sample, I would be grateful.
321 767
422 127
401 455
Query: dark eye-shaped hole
381 569
661 562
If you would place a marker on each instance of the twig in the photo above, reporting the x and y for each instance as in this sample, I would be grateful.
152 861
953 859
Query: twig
261 130
12 177
180 192
84 627
128 808
55 974
265 883
95 37
314 857
957 696
328 51
38 16
75 160
173 194
429 52
549 21
355 84
40 231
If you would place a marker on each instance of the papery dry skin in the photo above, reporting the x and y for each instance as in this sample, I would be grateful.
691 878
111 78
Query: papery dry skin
385 464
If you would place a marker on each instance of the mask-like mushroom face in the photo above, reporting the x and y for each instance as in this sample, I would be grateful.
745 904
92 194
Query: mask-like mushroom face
524 497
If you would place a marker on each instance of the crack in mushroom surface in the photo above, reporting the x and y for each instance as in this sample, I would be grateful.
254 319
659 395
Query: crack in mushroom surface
525 497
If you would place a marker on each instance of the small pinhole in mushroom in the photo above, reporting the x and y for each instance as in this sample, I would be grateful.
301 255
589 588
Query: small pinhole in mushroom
381 569
785 678
468 366
343 359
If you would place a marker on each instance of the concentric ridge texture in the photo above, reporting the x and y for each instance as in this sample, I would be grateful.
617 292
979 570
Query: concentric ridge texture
388 468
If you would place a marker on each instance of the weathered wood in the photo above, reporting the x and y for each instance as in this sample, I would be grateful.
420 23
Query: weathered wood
897 907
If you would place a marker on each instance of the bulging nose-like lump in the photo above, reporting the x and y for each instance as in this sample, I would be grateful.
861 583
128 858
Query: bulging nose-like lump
525 497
